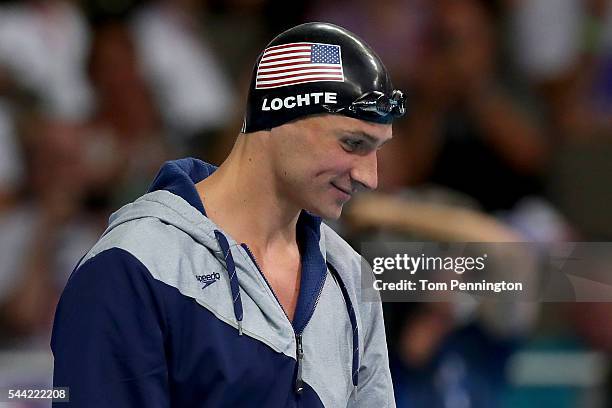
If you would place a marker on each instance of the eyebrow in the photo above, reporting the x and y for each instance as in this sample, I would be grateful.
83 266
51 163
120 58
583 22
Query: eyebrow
366 136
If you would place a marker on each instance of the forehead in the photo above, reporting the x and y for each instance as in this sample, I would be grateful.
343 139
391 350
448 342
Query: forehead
338 124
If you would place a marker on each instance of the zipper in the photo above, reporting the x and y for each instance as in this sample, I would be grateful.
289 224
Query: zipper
299 383
299 349
299 352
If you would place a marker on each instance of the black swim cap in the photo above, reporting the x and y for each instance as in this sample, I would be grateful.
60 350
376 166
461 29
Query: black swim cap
318 68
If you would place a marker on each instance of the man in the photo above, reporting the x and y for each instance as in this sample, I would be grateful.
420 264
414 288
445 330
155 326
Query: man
221 287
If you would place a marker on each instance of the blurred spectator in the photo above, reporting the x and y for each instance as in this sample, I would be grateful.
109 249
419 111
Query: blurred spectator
565 48
46 231
580 113
466 130
43 45
189 85
126 139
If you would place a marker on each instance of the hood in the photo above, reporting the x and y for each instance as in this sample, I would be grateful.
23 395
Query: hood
182 208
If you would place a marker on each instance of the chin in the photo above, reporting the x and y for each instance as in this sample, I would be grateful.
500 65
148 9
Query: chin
332 216
328 213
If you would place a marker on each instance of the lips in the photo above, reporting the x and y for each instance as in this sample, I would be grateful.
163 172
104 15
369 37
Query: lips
345 191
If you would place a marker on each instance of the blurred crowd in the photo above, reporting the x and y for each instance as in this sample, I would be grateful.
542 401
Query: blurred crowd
509 115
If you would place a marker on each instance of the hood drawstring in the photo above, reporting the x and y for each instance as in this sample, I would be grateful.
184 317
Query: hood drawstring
234 284
353 319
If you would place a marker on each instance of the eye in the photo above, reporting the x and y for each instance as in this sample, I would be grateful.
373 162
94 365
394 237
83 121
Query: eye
352 144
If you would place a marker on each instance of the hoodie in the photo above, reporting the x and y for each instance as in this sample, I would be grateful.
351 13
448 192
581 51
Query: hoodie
167 310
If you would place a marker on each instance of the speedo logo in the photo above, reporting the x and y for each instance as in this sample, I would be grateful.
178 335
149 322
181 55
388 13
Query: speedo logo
208 280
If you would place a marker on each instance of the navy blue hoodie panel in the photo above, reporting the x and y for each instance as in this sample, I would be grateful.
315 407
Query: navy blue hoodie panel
128 340
108 340
314 268
179 177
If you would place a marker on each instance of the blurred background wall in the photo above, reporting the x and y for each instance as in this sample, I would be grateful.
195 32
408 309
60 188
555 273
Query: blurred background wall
509 117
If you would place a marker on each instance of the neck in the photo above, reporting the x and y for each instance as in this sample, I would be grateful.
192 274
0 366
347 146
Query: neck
241 196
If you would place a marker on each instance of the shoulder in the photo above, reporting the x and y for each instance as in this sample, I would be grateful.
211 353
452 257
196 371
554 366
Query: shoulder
126 253
162 251
149 240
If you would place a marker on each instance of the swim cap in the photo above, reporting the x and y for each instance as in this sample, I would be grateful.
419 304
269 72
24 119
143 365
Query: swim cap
318 68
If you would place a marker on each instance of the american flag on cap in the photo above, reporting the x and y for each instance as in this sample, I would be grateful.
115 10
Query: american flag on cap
297 63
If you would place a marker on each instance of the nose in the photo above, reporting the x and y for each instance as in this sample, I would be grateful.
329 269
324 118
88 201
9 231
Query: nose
365 171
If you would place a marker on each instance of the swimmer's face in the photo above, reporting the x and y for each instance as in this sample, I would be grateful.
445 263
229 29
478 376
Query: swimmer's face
320 161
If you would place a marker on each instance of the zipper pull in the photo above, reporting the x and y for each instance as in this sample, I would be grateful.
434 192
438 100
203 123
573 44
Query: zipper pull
299 384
